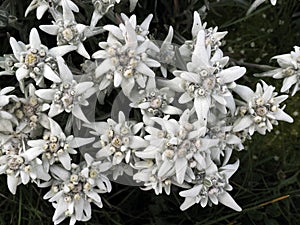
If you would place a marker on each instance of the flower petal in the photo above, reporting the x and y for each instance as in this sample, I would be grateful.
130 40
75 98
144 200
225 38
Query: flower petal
231 74
21 73
34 39
202 105
50 74
180 167
242 124
12 183
46 94
50 29
64 71
62 50
228 201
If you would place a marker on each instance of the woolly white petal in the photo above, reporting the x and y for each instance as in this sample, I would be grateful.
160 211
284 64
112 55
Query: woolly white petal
231 74
12 183
65 160
188 202
62 50
200 55
34 39
41 9
46 94
77 112
32 153
83 87
50 29
242 124
21 73
244 92
165 168
202 105
281 115
228 201
82 51
288 82
180 167
104 67
50 74
144 69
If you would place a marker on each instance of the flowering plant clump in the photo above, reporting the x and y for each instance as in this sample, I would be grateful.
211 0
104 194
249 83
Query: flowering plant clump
179 126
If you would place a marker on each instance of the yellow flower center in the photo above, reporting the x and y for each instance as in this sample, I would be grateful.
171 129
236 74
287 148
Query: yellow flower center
31 59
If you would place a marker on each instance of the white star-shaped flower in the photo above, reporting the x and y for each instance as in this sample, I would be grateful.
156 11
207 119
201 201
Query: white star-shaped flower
68 32
125 58
68 95
36 61
261 109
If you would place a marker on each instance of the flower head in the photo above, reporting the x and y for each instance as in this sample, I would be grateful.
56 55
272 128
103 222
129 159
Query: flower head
118 142
155 103
74 190
212 38
206 82
211 186
68 32
125 58
21 165
261 109
68 95
35 60
289 71
176 148
57 147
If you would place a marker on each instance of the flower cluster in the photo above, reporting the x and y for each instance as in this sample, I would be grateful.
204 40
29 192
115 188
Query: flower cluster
177 126
75 189
126 62
288 71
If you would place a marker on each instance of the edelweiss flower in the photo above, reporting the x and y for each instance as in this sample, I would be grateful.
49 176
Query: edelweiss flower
20 165
211 186
42 6
68 31
155 103
212 38
56 147
289 71
178 147
7 63
30 111
261 109
125 58
68 95
257 3
205 82
35 60
73 191
118 142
